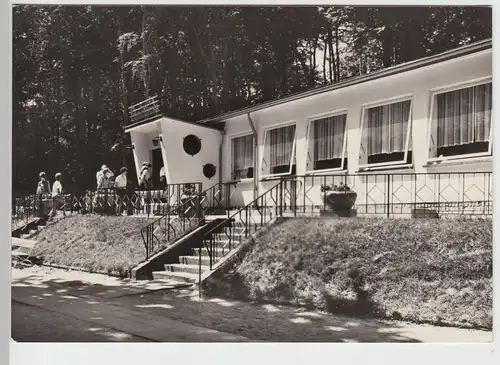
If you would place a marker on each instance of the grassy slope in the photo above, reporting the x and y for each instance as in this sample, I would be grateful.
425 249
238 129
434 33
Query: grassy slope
111 245
436 271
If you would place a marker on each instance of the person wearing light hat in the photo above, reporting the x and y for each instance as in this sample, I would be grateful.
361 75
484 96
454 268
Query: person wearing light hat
57 197
145 183
145 176
43 186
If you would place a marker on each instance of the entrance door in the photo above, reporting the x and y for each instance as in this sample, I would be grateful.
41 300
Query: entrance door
157 161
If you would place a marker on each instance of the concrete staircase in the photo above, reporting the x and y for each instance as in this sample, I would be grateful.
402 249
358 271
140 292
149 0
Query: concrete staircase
187 269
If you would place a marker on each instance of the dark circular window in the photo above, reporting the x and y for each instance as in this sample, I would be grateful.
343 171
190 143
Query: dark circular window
209 170
191 144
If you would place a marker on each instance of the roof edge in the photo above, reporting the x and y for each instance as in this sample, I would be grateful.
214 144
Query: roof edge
393 70
130 127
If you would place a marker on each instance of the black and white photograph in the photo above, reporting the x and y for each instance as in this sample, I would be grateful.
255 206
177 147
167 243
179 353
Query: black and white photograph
251 173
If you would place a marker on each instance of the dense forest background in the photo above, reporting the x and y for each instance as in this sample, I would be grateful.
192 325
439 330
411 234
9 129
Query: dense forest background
76 69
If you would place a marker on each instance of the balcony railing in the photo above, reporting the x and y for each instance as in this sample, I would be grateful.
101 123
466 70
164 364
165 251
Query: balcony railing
144 111
442 194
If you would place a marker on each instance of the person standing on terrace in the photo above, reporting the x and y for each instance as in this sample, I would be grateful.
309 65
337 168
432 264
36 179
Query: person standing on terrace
121 185
103 177
57 196
42 188
163 178
146 183
145 177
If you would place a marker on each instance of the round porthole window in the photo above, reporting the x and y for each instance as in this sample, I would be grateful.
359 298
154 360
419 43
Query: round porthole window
191 144
209 170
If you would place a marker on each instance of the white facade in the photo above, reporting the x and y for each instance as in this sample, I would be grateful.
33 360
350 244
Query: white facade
180 167
418 87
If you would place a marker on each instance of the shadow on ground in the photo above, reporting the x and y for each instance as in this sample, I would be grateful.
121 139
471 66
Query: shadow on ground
255 321
57 308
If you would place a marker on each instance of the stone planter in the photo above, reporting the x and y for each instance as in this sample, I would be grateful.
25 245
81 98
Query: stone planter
340 202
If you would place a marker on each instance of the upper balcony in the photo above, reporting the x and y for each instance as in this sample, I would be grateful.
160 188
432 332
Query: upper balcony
145 111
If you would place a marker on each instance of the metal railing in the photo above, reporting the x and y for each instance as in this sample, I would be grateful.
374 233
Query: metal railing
390 195
217 198
169 227
148 109
109 201
241 225
26 209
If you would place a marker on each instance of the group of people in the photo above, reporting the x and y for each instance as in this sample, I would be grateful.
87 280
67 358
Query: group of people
105 179
43 188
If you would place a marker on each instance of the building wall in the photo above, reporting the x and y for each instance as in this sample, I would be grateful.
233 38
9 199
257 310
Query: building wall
417 84
182 167
142 140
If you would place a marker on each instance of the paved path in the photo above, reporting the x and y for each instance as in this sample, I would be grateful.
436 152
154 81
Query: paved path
35 324
47 303
49 308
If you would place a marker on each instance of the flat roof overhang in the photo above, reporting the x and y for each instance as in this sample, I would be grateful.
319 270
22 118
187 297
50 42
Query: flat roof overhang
150 125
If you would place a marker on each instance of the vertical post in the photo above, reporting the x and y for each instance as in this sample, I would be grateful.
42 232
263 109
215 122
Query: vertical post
211 253
366 192
463 190
439 194
199 271
388 194
304 195
276 202
281 198
246 222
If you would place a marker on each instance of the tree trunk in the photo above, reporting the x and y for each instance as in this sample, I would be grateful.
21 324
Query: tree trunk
124 86
337 56
332 66
325 81
387 49
145 53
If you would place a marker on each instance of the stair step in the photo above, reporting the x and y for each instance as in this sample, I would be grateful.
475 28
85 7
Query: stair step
194 260
193 269
184 277
218 251
223 243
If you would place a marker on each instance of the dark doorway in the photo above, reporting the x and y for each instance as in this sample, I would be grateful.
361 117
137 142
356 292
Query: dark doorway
157 165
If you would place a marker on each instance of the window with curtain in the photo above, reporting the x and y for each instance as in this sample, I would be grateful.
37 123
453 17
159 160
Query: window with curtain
325 148
242 157
461 121
385 134
279 151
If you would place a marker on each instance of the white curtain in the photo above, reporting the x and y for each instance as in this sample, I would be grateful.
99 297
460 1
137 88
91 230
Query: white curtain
280 141
328 137
242 156
464 116
386 127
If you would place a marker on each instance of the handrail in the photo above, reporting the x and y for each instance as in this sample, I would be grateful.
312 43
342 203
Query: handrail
251 204
143 102
148 233
247 225
211 194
